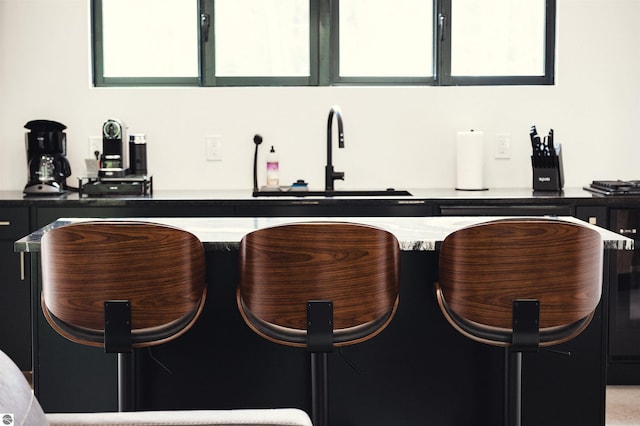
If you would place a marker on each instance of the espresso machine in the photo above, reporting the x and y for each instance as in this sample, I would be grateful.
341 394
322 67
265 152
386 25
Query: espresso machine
115 175
49 168
113 161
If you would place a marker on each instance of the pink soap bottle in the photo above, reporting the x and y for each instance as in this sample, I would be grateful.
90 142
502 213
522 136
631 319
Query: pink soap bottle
272 168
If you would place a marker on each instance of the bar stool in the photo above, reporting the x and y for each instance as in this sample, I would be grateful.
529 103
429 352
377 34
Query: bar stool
122 285
318 285
520 284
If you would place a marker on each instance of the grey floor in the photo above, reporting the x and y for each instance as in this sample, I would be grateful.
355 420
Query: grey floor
623 406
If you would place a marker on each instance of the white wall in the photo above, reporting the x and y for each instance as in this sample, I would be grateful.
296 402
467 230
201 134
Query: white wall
394 136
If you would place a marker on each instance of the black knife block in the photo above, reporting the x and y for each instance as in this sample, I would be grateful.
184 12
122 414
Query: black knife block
548 173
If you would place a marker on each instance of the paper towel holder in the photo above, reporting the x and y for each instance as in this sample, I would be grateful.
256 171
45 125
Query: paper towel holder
470 164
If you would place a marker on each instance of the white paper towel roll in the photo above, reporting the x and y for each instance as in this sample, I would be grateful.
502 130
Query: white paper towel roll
470 151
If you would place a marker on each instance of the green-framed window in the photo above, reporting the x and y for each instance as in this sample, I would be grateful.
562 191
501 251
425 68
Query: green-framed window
322 42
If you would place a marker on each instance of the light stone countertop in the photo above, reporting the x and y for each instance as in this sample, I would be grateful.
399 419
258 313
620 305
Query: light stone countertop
413 233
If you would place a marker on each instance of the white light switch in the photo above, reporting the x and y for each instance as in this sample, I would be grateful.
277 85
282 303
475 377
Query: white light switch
213 146
503 146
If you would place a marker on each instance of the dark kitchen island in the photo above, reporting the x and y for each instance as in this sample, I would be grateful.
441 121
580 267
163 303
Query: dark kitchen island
418 371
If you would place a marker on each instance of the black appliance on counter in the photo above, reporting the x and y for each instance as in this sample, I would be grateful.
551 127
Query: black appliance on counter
46 145
112 160
623 343
624 302
114 177
614 187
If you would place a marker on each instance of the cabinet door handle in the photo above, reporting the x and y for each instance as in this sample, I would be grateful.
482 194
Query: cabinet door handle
5 223
21 266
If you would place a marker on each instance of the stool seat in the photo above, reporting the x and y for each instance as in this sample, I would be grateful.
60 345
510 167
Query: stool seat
122 285
520 284
318 285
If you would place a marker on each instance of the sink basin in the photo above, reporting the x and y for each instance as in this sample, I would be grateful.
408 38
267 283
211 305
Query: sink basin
389 192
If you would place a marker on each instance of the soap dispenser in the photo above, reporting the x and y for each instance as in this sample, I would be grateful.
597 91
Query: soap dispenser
273 179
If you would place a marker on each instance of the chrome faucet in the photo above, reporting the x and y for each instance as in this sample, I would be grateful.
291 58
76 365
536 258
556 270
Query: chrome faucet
329 174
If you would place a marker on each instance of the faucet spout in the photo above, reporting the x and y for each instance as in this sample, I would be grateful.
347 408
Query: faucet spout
330 174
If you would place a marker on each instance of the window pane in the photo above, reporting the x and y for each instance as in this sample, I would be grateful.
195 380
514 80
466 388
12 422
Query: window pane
150 38
386 38
497 37
262 38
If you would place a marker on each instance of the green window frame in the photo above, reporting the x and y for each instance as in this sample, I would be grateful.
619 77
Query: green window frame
98 66
324 54
207 52
443 53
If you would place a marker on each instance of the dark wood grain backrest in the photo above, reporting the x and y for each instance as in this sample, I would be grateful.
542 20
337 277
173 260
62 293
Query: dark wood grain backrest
483 268
283 267
159 269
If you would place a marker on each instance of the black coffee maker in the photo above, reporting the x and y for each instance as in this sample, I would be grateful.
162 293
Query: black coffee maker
49 168
113 161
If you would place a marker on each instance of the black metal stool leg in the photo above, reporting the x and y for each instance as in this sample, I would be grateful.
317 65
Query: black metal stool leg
126 382
319 388
512 388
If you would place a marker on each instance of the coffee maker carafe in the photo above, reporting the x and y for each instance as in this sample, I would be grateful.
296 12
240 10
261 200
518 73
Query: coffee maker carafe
49 168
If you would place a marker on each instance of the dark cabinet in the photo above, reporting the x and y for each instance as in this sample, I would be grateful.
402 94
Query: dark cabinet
595 215
506 210
46 215
312 208
15 288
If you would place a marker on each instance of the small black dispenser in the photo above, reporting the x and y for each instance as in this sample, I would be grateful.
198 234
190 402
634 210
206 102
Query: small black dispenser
546 161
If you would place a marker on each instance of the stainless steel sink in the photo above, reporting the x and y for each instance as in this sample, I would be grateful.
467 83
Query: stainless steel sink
389 192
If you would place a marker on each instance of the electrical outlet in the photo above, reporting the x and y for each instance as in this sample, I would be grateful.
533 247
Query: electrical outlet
213 147
503 146
95 144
